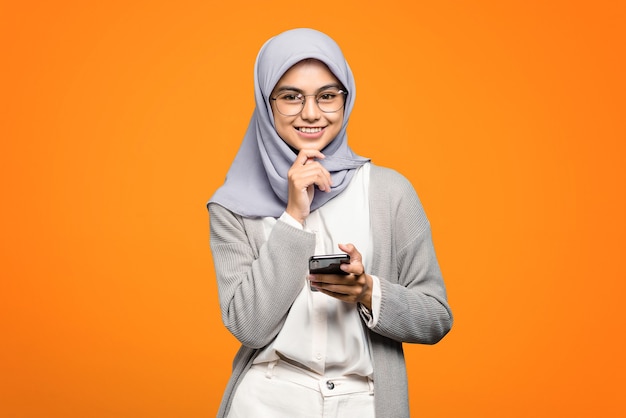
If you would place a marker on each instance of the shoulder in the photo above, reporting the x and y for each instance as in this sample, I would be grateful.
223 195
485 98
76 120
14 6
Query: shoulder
379 170
218 211
393 194
221 217
389 181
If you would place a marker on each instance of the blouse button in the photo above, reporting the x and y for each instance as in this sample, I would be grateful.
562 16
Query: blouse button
330 385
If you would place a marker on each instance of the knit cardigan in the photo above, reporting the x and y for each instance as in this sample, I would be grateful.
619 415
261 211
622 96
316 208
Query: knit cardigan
259 279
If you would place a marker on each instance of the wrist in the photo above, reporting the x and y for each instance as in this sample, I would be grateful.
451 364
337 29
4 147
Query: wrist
290 220
296 215
366 296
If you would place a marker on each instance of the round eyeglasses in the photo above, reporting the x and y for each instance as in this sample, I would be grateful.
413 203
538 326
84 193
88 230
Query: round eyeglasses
290 103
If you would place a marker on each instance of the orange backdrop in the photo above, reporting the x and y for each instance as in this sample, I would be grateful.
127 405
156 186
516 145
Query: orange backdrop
119 119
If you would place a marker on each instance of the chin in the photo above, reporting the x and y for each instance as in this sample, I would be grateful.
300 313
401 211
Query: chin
316 145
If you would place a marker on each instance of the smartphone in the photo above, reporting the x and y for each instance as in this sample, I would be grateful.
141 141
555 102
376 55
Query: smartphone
327 264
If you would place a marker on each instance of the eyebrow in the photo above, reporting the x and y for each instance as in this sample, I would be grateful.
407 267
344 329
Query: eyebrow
292 88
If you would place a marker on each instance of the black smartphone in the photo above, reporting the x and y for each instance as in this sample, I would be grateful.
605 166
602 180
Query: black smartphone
327 264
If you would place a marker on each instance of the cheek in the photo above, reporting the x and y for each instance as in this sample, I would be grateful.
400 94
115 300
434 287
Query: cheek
338 122
285 131
282 127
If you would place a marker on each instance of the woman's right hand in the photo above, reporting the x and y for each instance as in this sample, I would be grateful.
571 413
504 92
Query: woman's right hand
306 173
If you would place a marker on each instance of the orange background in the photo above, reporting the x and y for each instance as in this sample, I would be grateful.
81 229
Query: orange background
119 119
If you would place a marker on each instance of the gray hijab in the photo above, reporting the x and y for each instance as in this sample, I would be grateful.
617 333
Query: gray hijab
256 184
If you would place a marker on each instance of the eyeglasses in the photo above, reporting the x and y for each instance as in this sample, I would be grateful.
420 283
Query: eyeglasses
290 103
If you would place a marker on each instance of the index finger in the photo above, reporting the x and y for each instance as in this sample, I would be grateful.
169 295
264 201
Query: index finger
355 255
306 155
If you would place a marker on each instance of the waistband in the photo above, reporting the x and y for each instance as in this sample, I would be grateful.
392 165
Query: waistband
326 385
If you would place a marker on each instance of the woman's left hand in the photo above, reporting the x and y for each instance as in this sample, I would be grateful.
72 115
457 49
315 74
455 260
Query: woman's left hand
356 287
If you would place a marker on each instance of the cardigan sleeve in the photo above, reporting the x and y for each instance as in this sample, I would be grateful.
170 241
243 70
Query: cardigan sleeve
414 306
257 286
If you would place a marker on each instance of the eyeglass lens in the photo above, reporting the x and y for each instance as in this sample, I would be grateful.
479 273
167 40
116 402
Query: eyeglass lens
291 103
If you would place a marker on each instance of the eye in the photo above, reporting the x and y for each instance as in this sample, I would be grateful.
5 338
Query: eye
327 96
290 97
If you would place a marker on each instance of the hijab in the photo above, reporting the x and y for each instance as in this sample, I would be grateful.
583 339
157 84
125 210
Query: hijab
256 184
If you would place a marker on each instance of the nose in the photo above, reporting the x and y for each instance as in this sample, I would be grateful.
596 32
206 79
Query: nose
311 110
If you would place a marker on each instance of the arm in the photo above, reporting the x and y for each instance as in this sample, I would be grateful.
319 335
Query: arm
415 310
257 290
414 305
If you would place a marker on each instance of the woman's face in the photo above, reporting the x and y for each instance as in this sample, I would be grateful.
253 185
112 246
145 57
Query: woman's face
311 128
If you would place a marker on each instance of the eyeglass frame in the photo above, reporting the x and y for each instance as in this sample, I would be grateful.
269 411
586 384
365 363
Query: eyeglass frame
304 96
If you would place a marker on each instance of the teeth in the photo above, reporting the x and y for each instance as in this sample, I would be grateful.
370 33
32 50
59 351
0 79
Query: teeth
310 130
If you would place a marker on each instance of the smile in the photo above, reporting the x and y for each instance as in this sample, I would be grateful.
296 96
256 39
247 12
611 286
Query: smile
309 130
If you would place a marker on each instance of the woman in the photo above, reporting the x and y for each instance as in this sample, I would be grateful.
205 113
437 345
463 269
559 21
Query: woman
324 344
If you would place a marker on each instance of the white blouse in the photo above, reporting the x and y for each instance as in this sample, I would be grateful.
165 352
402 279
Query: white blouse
322 333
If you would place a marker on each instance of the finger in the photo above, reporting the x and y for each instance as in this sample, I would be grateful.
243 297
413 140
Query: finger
325 182
351 250
317 174
345 293
337 281
356 265
307 155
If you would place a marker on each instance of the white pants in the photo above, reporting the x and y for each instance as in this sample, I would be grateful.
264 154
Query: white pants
281 390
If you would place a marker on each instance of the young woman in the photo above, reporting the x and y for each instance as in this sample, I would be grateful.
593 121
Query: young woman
323 345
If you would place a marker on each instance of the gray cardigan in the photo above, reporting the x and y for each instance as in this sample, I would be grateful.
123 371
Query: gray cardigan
257 288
